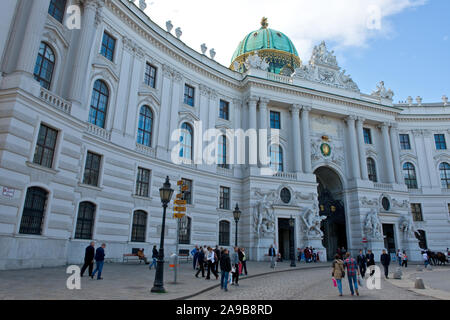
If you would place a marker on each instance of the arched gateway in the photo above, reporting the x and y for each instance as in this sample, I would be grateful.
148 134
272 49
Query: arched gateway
331 205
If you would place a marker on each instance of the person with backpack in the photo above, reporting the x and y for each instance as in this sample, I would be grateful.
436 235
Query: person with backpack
352 273
338 272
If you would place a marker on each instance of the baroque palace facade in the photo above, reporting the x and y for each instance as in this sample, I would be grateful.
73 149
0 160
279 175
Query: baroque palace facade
86 118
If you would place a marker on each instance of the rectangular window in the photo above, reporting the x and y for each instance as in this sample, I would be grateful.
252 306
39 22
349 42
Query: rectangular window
150 75
185 237
404 142
92 169
224 110
108 46
416 210
57 8
224 198
189 95
143 182
439 139
367 136
187 195
45 146
275 120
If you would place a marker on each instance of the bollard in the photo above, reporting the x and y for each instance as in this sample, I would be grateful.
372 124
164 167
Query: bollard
398 274
419 284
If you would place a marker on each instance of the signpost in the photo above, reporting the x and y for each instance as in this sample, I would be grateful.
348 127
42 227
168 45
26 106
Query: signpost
179 213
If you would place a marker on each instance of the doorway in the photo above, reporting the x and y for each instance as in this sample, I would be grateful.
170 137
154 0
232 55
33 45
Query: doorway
284 238
389 237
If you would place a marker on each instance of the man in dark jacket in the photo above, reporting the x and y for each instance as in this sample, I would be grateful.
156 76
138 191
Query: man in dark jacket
362 263
385 260
225 268
217 258
201 263
99 261
88 259
272 254
154 258
370 258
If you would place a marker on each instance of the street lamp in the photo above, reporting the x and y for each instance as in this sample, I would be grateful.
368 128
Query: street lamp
291 241
166 195
237 216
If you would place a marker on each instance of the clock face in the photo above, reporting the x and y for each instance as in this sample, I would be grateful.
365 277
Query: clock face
325 149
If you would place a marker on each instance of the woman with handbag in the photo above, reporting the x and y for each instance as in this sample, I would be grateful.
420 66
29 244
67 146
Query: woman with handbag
338 272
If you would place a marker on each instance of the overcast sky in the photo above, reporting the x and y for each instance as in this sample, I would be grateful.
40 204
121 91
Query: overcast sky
370 37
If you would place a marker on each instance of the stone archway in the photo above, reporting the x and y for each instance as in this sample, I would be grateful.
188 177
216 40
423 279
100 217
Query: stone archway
331 204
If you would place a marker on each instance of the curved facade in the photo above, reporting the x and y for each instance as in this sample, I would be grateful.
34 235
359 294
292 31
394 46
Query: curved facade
86 142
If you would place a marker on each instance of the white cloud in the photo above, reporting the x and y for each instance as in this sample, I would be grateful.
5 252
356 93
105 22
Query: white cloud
223 24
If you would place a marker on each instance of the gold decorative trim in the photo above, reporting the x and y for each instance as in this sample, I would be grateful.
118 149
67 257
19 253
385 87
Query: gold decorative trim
273 54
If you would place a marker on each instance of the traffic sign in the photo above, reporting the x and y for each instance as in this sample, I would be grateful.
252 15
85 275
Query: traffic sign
184 188
180 182
180 202
178 215
179 209
179 196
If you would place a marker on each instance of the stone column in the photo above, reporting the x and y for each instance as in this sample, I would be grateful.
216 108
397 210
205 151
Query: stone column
252 101
82 57
306 140
263 113
361 148
355 170
296 147
396 153
35 23
387 153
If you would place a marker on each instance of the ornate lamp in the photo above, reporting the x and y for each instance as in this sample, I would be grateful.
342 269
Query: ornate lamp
237 216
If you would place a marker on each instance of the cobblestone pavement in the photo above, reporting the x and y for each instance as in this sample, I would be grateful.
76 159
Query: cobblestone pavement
312 284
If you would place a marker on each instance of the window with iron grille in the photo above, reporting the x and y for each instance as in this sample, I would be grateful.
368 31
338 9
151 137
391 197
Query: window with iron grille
372 170
99 104
185 238
33 211
143 182
409 172
187 195
444 172
224 233
275 120
367 136
85 221
416 210
404 142
150 75
45 64
108 46
145 126
92 169
439 139
224 202
45 146
57 8
189 95
139 228
224 110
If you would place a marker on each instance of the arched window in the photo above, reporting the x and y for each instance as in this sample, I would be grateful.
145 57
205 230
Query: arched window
45 64
372 170
139 228
222 152
409 172
444 170
85 220
57 8
276 158
33 211
224 233
145 126
186 141
99 104
185 237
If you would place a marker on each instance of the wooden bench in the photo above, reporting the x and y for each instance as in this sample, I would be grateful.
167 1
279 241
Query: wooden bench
133 256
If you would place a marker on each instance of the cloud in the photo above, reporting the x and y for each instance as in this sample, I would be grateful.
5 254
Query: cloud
223 24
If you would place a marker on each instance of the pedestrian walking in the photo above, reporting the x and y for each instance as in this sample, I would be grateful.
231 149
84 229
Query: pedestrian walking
216 259
272 255
225 269
404 260
385 261
154 258
99 261
352 273
235 266
211 260
425 258
194 253
244 261
370 258
88 259
399 257
362 263
338 272
201 263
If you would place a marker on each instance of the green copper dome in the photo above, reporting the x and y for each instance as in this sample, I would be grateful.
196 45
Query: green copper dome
274 46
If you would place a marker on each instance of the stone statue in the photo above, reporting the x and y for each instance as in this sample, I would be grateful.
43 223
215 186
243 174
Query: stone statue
373 227
212 53
203 47
169 26
142 5
312 221
256 62
407 226
263 216
382 92
178 32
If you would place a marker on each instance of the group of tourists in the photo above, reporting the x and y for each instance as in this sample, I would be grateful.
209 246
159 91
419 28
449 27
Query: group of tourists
308 254
231 264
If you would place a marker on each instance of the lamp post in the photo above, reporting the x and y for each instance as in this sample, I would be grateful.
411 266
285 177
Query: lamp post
291 241
166 195
237 216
